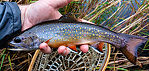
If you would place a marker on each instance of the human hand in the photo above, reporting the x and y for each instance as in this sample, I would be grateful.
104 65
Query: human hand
44 10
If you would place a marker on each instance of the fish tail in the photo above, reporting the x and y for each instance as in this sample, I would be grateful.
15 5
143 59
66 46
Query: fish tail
133 47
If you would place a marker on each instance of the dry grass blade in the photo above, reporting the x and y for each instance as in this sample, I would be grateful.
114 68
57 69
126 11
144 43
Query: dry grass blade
102 10
140 10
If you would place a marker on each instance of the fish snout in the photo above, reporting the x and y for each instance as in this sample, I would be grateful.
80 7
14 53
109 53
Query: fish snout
24 43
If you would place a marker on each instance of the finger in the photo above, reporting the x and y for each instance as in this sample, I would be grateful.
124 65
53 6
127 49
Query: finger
84 48
45 48
63 50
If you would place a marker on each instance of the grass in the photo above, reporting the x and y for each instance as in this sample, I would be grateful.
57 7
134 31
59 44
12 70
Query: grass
2 62
111 14
10 62
118 69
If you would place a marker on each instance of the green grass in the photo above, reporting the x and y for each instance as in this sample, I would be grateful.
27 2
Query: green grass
121 69
10 62
3 57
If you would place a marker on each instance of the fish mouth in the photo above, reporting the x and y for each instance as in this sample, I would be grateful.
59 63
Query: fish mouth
12 47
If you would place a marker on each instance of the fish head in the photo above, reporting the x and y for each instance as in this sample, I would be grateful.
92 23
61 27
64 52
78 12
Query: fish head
24 43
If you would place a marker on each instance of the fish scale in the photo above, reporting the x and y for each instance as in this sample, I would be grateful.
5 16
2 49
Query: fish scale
69 32
63 32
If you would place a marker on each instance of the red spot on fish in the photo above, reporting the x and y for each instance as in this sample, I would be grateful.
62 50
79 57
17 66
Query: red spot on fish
72 34
84 35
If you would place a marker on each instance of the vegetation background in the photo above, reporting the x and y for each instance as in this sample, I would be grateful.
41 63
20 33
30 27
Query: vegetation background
123 16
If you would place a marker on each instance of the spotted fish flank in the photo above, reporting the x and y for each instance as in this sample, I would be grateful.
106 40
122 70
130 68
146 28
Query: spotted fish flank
69 32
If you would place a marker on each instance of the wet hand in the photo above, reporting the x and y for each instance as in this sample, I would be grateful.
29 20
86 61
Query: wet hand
44 10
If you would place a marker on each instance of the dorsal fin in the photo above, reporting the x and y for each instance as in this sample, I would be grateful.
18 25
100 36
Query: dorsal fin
67 19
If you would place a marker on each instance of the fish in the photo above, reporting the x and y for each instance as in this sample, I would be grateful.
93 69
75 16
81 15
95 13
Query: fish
69 32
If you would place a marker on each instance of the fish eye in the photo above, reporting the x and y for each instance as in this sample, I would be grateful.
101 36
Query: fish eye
17 40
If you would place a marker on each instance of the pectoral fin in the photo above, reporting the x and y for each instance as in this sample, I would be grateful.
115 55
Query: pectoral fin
48 40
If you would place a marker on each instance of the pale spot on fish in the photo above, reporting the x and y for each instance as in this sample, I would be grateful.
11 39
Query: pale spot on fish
99 36
93 34
80 37
89 29
80 33
98 31
76 31
80 28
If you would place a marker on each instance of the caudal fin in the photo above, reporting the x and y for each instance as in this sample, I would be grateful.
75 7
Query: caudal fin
133 47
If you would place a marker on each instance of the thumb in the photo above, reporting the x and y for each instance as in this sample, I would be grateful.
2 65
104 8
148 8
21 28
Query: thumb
56 3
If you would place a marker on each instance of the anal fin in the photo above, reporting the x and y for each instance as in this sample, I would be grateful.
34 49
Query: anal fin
98 47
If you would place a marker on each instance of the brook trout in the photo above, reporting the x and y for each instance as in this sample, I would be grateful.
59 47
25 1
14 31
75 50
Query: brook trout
70 32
